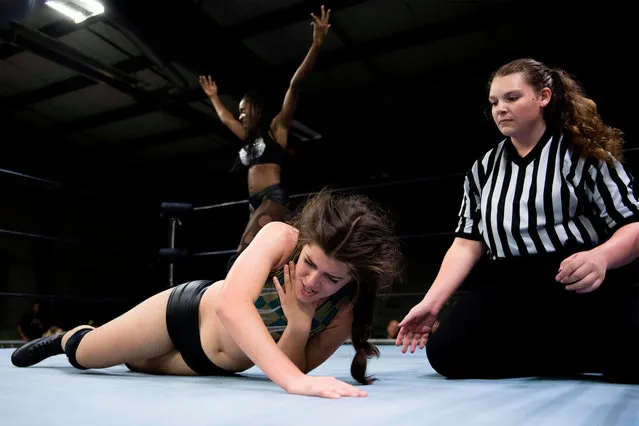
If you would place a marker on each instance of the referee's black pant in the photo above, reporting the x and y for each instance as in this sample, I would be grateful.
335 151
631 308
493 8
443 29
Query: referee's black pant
515 320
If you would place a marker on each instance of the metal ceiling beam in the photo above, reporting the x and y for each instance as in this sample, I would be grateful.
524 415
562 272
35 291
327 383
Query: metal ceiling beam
55 30
165 67
63 54
194 40
68 56
201 123
79 82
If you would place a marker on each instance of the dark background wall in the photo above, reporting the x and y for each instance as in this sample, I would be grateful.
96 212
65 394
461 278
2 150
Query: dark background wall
103 237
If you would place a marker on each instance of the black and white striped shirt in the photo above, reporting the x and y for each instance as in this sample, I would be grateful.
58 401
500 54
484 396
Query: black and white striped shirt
551 198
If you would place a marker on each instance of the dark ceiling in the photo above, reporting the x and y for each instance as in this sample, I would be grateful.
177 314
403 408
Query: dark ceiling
398 90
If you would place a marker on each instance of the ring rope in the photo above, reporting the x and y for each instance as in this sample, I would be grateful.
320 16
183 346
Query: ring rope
348 188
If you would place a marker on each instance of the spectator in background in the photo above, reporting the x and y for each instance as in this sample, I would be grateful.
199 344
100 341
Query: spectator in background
392 329
32 324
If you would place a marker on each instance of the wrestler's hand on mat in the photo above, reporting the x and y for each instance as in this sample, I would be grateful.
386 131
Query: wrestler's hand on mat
320 26
297 313
582 272
208 85
325 387
417 326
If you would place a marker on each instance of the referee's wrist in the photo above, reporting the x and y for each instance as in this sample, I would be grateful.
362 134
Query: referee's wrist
434 301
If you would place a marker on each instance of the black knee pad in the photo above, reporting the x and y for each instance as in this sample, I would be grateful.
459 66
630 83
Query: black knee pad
72 346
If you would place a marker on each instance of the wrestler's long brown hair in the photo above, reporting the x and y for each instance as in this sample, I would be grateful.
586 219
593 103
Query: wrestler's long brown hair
569 108
354 230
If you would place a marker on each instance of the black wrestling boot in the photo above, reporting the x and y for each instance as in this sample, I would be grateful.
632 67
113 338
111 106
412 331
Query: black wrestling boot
37 350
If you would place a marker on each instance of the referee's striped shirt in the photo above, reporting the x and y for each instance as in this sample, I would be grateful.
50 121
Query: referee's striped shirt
547 200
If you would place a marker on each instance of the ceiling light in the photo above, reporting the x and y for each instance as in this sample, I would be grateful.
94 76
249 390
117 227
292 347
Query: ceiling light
78 10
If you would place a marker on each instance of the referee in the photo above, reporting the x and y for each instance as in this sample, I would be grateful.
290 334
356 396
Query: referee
547 225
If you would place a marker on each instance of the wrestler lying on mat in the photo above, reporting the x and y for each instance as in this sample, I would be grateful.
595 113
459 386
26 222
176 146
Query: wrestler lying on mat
295 295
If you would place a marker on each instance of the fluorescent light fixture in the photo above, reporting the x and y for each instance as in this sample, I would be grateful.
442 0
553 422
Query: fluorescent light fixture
78 10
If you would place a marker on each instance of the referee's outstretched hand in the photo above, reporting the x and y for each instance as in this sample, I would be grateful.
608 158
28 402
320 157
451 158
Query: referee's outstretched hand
417 326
